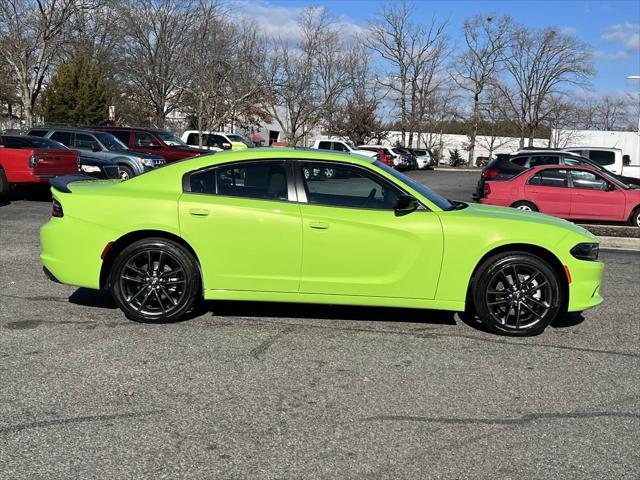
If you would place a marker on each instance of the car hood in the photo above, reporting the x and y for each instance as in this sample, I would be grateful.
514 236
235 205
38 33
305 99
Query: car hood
490 212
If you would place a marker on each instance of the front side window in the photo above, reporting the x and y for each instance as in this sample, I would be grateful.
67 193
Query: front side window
550 178
261 180
110 142
340 147
85 142
588 180
336 185
144 139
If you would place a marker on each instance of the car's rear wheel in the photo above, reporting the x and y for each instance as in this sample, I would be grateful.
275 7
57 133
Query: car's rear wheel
634 219
155 280
526 206
516 293
4 183
125 172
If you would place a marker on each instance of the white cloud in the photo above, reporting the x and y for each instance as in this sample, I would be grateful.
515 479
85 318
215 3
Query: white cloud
626 35
610 56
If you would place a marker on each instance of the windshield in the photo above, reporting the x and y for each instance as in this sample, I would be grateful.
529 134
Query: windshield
239 138
170 139
110 142
441 202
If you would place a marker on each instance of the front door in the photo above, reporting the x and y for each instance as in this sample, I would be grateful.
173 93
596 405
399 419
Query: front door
244 224
595 198
355 244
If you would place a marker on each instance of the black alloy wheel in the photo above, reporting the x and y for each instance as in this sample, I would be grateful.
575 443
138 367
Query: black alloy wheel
517 294
155 281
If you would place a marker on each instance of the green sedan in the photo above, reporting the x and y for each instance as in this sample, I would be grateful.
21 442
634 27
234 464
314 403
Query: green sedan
287 225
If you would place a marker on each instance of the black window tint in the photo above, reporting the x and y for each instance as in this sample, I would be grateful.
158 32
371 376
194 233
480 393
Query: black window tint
216 141
602 157
340 147
62 137
264 180
13 142
85 142
192 139
544 160
37 133
588 180
143 139
520 161
122 135
325 145
46 144
345 186
550 178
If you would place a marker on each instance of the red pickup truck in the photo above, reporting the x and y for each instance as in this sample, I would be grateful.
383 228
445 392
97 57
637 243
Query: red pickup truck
33 160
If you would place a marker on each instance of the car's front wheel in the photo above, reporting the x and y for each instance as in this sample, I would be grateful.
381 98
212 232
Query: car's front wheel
517 293
155 280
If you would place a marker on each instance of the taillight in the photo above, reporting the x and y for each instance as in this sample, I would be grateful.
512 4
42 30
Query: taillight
56 210
32 161
490 173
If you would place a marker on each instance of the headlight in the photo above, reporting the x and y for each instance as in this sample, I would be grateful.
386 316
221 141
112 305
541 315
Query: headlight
89 168
586 251
147 162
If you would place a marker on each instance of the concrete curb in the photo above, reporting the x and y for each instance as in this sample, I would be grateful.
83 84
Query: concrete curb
620 243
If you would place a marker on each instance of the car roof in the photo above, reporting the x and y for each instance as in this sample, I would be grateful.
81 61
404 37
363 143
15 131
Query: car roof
542 152
64 129
594 148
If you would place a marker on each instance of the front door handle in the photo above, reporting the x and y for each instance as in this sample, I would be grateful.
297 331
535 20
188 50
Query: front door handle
199 212
319 225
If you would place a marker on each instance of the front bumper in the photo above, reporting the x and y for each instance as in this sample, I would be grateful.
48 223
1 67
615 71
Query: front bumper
584 289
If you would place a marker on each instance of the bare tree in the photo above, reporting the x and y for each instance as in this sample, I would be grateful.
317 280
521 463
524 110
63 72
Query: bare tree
414 54
307 80
540 63
492 137
154 41
486 39
611 113
32 33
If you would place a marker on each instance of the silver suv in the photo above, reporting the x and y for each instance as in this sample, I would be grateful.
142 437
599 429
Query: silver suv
101 149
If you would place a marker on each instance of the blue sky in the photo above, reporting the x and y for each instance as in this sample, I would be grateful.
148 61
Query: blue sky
612 28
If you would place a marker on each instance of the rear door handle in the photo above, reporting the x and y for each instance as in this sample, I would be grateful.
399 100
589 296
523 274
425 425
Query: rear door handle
319 225
199 212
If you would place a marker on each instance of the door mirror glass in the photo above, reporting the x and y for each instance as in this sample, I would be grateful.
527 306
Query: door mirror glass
406 204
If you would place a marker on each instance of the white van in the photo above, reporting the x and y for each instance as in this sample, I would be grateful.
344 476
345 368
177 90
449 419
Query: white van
216 141
342 146
609 158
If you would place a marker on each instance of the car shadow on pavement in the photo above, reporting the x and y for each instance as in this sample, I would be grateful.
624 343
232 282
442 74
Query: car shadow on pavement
92 298
568 320
328 312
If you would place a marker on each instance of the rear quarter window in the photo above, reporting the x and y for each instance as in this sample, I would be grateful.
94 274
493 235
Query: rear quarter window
602 157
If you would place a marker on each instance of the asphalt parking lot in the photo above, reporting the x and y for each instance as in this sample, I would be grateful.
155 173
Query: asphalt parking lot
253 390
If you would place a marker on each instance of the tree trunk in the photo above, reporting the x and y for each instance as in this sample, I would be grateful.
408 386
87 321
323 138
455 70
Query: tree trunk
474 130
200 108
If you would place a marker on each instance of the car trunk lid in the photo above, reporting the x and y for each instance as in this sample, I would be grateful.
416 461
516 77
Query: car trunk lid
51 163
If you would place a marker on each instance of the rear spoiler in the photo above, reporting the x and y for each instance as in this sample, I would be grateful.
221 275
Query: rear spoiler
62 183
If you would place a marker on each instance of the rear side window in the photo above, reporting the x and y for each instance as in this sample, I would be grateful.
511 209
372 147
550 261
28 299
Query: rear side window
261 180
37 133
143 139
602 157
550 178
521 161
544 160
324 145
62 137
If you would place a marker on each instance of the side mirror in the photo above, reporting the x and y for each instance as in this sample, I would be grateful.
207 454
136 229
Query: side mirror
226 146
610 187
405 204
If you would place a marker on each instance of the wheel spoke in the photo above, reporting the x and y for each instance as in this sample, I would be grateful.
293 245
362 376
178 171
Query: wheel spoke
166 294
138 293
497 292
149 267
516 280
518 315
171 272
144 300
160 265
499 302
130 266
536 302
131 279
530 279
536 314
160 301
536 288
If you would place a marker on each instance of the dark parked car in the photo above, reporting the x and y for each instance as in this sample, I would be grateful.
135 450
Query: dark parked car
101 149
507 166
153 141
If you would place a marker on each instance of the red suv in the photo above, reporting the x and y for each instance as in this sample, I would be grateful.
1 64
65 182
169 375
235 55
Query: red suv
153 140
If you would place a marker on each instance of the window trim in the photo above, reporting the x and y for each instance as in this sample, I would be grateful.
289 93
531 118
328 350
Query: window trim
291 189
302 193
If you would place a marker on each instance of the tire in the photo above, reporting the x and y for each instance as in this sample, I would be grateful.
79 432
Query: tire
125 172
525 206
528 304
4 184
634 219
161 290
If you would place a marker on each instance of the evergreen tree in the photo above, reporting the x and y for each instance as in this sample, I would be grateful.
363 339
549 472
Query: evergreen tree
77 94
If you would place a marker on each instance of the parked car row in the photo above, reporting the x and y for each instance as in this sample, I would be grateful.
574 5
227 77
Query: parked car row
560 183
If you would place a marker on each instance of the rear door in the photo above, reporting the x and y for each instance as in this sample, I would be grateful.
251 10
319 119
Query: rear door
243 221
549 191
595 198
355 245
